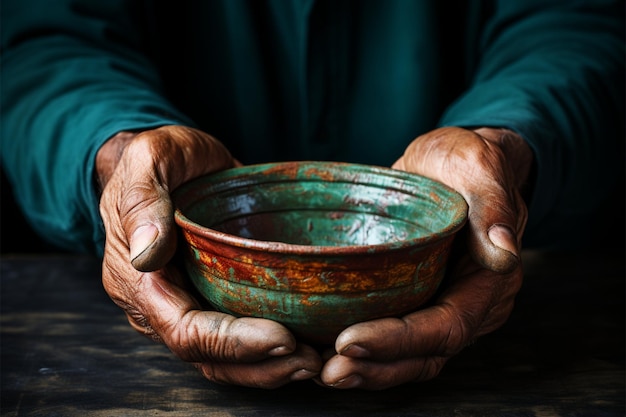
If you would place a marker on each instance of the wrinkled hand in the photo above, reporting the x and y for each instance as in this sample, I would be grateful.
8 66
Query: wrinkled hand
488 167
137 173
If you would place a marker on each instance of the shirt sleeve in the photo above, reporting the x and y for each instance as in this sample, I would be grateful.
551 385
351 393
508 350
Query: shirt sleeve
72 77
553 71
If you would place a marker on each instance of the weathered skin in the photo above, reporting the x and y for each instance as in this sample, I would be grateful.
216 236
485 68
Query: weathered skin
141 240
488 167
137 174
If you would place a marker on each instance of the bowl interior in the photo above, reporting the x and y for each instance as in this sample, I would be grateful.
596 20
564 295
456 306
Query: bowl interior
320 204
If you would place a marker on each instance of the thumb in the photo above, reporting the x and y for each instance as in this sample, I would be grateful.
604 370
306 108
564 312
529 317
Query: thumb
480 172
494 245
152 236
497 214
154 163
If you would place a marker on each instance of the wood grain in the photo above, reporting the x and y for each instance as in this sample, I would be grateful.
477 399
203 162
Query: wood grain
67 350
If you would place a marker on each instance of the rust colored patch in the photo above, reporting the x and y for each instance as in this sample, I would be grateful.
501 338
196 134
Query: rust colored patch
360 251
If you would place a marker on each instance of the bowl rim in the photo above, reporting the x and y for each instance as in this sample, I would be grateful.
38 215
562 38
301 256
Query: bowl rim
459 218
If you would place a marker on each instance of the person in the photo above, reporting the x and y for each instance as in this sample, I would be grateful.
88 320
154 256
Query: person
107 107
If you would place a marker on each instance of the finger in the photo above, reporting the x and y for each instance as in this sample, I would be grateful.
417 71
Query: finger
476 302
304 363
164 309
433 331
343 372
147 212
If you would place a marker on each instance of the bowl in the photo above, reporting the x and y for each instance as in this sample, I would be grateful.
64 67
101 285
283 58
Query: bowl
317 246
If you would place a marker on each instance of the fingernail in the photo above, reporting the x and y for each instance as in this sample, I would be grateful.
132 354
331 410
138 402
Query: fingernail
303 374
351 381
142 238
279 351
355 351
504 238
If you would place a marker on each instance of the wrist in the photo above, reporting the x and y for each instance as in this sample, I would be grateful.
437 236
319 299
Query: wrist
108 157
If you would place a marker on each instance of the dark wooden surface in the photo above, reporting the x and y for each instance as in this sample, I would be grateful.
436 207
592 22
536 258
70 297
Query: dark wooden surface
67 350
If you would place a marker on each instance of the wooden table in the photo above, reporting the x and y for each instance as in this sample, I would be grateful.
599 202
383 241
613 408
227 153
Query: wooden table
67 350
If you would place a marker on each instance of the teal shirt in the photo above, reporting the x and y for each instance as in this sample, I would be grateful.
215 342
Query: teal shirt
305 79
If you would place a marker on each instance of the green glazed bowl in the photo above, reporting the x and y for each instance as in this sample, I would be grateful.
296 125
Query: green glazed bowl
317 246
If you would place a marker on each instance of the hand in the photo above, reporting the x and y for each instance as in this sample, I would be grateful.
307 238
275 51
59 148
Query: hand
488 167
137 173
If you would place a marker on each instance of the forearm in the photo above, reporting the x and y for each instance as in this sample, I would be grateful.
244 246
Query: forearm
68 95
553 74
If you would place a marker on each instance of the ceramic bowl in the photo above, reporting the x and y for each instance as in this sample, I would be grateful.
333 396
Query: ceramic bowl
317 246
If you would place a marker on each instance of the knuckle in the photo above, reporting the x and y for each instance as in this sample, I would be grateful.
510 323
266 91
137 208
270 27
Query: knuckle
431 369
142 195
201 338
457 334
210 371
138 321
